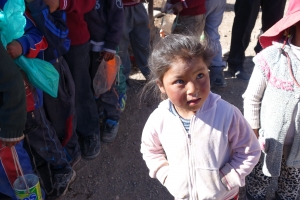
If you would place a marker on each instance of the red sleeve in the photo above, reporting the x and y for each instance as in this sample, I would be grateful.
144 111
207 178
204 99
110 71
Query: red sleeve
79 6
194 3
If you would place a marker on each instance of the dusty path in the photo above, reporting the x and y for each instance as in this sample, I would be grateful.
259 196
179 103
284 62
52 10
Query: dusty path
119 172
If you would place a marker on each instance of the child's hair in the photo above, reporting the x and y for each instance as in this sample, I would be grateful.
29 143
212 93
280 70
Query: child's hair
167 51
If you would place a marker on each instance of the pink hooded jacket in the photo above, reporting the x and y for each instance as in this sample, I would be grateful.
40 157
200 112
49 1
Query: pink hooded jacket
209 162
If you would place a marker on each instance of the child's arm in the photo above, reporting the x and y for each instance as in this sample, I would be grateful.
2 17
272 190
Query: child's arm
153 153
115 23
252 98
12 101
52 25
245 152
31 43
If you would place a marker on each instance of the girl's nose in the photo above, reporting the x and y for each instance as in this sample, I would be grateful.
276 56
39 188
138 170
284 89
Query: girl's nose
192 89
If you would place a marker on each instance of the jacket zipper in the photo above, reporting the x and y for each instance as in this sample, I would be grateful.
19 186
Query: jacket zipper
191 162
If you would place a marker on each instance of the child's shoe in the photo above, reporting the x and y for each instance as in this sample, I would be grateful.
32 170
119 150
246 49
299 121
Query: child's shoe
91 146
62 182
122 101
217 77
110 131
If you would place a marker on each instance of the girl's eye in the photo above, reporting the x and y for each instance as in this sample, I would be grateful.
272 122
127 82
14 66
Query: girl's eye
179 82
200 76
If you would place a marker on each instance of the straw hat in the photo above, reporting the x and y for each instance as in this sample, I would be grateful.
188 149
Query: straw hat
276 32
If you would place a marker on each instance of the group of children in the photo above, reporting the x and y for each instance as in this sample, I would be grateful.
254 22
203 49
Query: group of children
74 36
210 151
201 147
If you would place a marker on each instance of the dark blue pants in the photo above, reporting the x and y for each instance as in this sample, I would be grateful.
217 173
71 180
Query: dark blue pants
108 102
246 12
60 111
43 140
78 60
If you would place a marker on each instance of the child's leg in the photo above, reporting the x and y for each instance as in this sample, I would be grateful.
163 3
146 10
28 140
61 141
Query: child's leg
61 110
43 139
140 38
78 60
189 25
124 43
257 183
110 104
214 15
288 182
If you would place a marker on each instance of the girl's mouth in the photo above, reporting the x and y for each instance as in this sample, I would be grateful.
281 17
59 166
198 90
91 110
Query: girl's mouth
194 101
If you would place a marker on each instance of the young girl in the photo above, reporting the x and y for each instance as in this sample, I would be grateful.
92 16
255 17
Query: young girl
271 104
196 144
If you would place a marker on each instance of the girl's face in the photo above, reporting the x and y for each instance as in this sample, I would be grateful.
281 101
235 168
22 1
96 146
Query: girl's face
186 85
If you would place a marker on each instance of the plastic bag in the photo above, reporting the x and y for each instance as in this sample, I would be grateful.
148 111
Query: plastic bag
12 21
105 75
41 74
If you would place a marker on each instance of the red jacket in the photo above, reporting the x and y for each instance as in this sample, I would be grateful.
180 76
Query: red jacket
75 9
191 7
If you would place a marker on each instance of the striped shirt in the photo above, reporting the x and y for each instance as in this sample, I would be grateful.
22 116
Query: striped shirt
185 122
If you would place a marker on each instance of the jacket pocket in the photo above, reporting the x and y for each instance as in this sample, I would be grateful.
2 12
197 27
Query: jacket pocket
209 184
176 183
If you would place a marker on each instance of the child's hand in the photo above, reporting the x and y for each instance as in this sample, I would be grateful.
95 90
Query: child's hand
256 132
107 55
53 5
177 7
14 49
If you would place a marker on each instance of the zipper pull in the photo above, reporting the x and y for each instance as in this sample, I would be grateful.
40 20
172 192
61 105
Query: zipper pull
189 137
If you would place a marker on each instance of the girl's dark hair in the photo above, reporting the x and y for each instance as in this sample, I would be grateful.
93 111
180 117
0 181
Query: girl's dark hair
167 51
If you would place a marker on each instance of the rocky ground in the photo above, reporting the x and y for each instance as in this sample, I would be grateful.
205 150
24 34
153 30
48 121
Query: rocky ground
120 173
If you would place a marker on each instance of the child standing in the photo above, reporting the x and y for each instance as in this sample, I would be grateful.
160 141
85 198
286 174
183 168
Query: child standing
271 106
60 111
105 24
196 144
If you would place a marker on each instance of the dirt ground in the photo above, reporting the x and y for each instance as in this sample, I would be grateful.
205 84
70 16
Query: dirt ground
120 173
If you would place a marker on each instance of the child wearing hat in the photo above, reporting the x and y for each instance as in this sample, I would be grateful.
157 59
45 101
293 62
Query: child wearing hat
271 106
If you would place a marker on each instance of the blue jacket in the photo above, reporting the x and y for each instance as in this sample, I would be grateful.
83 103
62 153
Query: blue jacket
53 26
105 24
32 41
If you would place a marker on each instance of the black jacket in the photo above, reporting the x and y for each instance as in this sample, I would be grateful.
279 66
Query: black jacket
105 23
12 98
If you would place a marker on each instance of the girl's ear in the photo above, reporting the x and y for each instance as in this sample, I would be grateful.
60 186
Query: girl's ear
161 87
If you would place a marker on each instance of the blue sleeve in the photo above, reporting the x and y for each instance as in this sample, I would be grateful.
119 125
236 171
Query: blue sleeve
32 41
115 22
53 26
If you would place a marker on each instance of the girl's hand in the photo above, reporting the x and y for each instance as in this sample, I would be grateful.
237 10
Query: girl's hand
177 7
14 49
256 132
